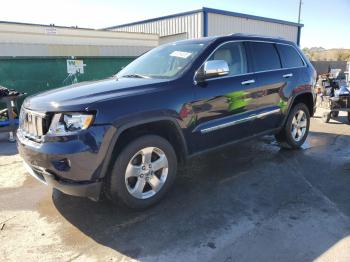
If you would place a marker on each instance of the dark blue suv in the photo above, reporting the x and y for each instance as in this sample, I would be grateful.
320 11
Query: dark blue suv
125 136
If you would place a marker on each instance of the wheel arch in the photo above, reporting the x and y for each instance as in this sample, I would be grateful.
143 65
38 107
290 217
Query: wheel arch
164 126
307 98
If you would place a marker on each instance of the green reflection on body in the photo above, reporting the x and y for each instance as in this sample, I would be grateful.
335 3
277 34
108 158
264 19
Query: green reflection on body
237 101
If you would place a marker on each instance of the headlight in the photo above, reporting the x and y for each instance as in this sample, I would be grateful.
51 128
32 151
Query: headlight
65 123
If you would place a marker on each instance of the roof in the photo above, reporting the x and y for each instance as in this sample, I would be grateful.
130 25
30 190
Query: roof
213 11
64 27
254 17
43 25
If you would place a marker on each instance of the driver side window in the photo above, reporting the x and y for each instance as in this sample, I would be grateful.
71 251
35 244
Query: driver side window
234 54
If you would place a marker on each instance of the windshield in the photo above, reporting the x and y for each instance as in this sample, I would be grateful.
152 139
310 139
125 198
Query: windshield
162 62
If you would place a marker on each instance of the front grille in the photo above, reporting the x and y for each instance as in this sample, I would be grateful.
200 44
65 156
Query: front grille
34 125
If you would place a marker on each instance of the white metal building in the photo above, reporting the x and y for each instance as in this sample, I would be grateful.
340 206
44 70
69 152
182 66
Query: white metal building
32 40
211 22
35 58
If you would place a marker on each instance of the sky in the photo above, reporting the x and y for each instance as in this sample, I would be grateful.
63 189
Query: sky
326 23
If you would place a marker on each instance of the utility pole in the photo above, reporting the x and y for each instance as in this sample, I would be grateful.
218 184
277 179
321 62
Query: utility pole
300 3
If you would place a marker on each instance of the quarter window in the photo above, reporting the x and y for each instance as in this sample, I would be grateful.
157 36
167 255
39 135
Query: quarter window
289 56
234 54
264 56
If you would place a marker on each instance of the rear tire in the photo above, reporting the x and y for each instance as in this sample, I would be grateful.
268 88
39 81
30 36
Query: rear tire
296 128
349 117
133 180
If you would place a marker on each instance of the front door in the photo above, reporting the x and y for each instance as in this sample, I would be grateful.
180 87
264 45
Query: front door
222 107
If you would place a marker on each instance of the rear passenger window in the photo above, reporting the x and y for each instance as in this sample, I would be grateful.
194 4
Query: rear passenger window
265 56
289 56
234 54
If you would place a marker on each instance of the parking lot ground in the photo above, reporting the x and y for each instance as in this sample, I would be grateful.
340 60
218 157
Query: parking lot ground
250 202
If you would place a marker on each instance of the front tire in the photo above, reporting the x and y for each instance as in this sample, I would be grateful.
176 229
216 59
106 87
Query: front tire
143 172
296 128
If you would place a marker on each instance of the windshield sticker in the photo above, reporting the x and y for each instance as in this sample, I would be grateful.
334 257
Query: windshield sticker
180 54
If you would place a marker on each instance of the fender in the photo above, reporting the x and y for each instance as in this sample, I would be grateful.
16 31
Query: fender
292 99
121 128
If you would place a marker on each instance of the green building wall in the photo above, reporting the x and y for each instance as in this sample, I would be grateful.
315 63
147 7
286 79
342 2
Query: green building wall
33 75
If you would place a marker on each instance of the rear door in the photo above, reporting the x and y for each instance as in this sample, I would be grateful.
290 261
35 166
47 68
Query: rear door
269 85
293 65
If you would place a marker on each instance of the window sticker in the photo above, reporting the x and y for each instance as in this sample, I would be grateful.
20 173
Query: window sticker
181 54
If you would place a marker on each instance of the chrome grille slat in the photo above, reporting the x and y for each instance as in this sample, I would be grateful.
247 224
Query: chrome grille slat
32 124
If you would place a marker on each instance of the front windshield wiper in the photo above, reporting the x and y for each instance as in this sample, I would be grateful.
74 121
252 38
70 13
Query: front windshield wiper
135 76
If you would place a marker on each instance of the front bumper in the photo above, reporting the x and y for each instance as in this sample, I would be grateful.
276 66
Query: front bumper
71 164
91 190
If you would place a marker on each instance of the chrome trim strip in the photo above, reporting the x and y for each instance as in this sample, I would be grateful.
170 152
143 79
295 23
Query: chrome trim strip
32 173
34 112
235 122
261 115
210 129
24 139
250 73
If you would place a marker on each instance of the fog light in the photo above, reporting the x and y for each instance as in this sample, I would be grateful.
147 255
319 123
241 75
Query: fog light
62 164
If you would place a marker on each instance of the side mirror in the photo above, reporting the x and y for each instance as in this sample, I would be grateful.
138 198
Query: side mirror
213 68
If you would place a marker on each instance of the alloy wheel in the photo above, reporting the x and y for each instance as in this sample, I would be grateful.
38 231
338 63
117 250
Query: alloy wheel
146 172
299 125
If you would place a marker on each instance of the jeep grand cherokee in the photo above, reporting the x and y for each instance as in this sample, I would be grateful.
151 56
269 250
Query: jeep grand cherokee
125 136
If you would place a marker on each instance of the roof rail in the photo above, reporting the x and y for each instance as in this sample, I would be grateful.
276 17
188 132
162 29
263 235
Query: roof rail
256 35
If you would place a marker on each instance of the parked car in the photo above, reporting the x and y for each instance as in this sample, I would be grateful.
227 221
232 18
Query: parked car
125 136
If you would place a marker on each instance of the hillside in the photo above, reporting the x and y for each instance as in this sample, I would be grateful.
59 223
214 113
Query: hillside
322 54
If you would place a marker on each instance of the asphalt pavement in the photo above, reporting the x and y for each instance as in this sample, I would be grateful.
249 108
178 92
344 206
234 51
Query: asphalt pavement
250 202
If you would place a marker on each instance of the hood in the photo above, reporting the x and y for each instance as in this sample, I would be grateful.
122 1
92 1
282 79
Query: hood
81 96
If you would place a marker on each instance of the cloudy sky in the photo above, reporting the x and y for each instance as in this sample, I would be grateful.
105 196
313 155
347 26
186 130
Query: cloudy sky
326 25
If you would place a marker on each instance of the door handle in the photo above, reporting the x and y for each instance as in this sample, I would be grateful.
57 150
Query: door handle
248 82
288 75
